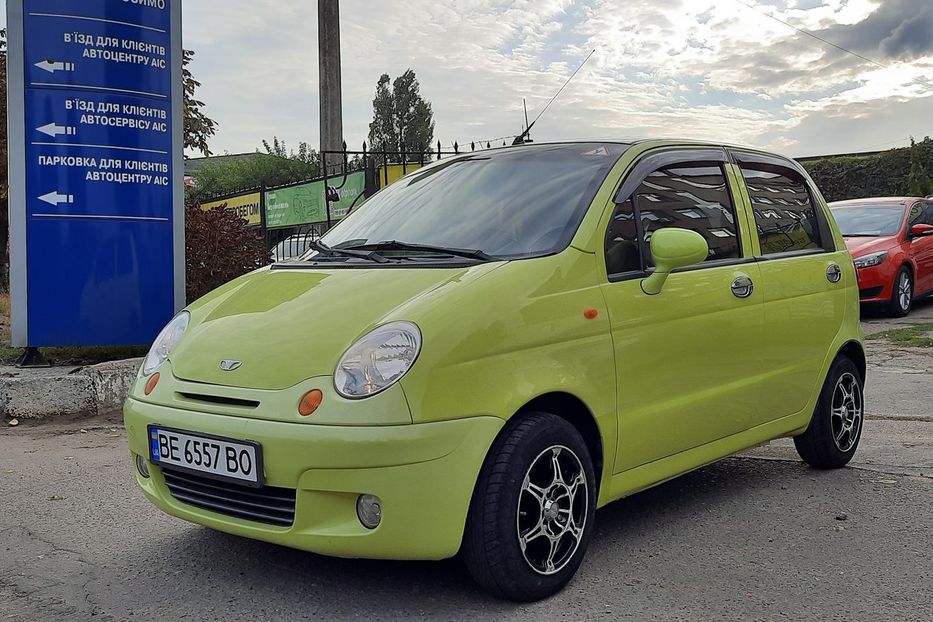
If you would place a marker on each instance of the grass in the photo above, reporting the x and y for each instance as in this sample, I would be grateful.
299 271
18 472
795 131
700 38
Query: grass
917 335
66 355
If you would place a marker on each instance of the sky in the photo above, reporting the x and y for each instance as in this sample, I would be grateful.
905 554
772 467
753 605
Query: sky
706 69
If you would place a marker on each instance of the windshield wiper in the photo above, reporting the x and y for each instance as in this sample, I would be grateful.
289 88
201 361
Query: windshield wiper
370 255
395 245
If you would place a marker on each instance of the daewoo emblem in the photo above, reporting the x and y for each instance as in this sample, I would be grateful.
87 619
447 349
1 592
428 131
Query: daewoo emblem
229 364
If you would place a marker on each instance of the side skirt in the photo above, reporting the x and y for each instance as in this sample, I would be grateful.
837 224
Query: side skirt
660 471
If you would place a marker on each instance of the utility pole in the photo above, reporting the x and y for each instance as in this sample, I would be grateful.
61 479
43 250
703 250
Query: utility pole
328 35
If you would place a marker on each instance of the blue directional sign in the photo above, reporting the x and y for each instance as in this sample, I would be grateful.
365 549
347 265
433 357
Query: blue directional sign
97 237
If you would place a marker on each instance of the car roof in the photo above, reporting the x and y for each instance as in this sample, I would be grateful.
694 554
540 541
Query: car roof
649 143
875 201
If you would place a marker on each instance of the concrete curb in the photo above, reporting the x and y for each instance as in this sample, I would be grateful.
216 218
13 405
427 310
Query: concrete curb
66 391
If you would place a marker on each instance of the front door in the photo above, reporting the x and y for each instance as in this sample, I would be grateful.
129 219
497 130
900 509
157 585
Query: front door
687 358
921 249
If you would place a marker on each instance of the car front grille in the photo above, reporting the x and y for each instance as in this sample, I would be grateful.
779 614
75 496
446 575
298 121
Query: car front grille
275 506
869 292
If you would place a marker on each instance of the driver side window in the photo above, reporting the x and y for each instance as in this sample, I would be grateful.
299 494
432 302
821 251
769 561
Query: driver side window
689 195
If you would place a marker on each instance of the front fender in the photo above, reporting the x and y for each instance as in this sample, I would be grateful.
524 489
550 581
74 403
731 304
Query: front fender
513 336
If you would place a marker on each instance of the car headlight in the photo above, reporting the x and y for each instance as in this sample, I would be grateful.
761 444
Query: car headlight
872 259
166 342
378 360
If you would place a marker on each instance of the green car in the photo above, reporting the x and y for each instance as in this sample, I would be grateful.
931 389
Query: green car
500 343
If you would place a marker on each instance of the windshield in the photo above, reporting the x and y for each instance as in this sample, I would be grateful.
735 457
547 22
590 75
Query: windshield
512 202
869 220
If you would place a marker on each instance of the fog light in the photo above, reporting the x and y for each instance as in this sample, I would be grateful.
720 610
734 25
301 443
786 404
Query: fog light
369 510
142 466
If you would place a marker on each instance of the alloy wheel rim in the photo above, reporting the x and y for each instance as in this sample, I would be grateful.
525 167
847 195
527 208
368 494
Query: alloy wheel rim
904 291
552 510
846 412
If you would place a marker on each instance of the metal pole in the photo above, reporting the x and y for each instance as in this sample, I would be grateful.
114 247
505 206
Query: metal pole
328 25
263 225
324 155
385 168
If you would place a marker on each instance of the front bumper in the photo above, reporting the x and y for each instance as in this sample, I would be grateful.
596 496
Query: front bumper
423 473
875 284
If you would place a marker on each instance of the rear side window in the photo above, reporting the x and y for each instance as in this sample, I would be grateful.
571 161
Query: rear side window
689 196
785 215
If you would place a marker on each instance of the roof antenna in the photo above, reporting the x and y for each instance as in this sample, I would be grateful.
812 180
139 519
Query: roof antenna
521 138
525 106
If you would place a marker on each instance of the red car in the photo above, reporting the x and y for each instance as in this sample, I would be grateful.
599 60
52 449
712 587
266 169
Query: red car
891 241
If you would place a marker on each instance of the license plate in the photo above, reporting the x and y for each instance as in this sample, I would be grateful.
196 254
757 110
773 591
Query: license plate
211 456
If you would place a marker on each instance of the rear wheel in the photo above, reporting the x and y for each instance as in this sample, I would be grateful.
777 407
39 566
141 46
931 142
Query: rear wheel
835 429
532 511
902 294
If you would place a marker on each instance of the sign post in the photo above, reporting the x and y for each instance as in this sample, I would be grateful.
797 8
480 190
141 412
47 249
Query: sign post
95 162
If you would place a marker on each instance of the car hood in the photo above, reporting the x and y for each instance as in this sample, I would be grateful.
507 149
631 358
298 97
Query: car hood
859 246
287 325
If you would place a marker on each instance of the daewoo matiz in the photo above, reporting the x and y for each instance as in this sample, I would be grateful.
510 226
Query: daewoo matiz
502 342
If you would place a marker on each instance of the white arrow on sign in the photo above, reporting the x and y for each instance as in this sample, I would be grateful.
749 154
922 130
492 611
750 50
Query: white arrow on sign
52 129
54 198
52 66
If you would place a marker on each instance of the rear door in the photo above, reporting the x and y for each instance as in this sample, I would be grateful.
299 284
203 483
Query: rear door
687 358
802 284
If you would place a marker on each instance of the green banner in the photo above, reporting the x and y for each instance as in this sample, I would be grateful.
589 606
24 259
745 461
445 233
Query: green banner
352 189
303 204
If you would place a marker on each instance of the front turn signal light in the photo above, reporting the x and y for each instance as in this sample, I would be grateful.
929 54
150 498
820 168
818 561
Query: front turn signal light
309 402
151 383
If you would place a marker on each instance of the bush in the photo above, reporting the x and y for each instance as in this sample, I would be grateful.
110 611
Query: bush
219 247
882 175
219 176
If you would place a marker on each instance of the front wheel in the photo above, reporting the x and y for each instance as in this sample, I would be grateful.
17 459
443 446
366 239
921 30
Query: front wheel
532 511
836 426
902 294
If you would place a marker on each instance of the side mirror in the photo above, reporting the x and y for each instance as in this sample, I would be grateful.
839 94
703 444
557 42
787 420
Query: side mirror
920 230
673 248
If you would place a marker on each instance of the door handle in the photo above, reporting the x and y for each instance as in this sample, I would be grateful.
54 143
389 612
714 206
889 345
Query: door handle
833 273
742 286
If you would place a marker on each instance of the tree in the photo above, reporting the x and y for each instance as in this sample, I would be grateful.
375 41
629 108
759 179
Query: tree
198 126
305 153
382 133
401 117
919 183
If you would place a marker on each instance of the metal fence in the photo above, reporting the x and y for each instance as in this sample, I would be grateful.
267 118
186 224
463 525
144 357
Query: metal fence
380 167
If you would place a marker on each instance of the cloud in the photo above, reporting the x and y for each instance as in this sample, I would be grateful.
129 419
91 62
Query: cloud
895 30
705 68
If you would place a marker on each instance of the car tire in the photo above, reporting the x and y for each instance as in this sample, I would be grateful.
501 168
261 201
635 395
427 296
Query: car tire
902 293
529 524
835 429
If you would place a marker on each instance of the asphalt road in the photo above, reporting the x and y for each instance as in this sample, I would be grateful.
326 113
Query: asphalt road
754 537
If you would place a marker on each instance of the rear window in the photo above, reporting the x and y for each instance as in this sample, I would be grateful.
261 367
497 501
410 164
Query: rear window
785 216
